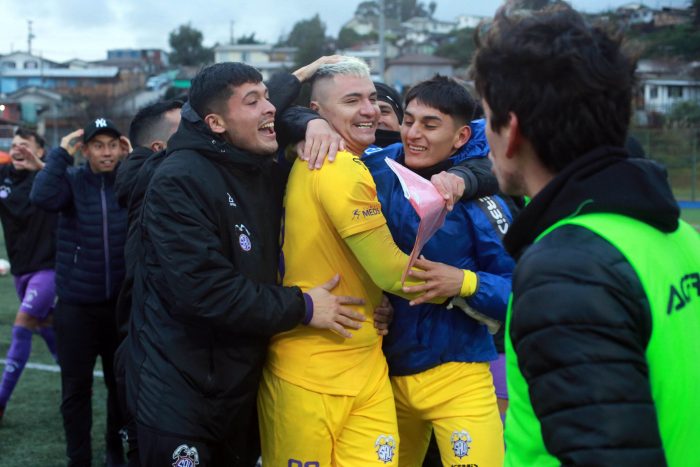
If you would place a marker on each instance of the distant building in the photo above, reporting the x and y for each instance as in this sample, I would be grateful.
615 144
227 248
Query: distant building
664 84
410 69
370 54
267 58
25 61
153 60
421 24
469 21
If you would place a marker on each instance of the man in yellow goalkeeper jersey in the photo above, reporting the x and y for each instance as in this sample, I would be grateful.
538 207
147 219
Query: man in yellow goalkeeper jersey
326 399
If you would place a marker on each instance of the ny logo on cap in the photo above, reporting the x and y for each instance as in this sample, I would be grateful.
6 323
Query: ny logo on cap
101 123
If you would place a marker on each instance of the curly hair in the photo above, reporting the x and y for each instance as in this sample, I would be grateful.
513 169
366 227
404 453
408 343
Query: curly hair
569 83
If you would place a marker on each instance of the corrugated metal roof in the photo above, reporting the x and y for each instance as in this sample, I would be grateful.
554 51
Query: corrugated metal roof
105 72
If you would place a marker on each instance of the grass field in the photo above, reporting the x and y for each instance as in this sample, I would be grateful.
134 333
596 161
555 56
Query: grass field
31 434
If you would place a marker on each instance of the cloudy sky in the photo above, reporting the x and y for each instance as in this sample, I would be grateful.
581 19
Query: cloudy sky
85 29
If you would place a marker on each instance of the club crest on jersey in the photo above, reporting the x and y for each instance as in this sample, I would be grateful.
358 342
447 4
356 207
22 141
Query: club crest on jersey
386 448
244 237
460 443
5 191
185 456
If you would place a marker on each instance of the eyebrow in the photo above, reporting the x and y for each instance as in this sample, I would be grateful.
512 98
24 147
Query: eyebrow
426 117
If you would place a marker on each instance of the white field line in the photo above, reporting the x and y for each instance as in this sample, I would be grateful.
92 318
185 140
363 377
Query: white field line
49 368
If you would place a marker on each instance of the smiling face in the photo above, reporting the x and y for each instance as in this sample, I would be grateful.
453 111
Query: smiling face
430 136
387 118
349 104
248 120
18 149
103 152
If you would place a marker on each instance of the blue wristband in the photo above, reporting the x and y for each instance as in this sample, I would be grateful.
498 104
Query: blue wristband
308 301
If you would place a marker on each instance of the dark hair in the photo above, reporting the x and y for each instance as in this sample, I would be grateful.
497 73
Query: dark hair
26 133
569 84
446 95
147 125
214 85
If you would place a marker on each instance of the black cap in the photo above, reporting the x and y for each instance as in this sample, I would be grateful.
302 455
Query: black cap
98 126
389 95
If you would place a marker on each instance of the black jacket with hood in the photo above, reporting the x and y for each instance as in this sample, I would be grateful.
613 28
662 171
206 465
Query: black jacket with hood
205 299
581 321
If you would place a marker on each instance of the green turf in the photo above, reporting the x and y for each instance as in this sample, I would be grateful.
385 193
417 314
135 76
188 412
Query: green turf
31 433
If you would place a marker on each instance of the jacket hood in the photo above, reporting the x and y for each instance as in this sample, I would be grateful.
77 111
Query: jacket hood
195 135
604 180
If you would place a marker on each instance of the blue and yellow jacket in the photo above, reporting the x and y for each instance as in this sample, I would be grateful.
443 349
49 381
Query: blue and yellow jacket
424 336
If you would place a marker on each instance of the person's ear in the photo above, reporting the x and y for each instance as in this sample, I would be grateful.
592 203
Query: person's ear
215 123
313 105
157 145
514 136
462 137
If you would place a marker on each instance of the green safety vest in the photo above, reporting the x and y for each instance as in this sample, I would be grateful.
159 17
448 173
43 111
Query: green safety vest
668 268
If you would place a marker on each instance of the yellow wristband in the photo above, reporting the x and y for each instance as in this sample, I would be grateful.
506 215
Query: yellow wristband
469 284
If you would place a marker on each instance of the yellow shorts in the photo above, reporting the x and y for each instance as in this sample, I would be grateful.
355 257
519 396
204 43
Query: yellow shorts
302 428
458 401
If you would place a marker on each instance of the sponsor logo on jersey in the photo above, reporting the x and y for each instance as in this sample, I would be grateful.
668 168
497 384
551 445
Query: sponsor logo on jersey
371 211
679 297
460 443
185 456
385 446
231 201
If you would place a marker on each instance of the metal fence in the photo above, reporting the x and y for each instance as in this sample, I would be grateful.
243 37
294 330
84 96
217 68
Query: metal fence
677 149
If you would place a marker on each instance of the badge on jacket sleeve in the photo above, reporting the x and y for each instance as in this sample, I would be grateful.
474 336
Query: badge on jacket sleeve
185 456
244 237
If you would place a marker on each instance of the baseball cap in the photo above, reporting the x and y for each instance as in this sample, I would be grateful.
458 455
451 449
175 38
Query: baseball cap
98 126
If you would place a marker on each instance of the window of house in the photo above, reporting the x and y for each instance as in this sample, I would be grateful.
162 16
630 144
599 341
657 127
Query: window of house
31 65
675 91
9 65
653 92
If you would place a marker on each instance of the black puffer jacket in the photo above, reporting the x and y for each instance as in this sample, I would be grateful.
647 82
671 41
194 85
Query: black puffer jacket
581 321
91 228
206 289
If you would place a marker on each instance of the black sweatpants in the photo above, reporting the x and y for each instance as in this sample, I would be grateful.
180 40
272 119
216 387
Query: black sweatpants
82 333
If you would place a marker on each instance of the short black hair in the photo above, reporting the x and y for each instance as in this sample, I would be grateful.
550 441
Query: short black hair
26 133
146 125
570 84
446 95
214 85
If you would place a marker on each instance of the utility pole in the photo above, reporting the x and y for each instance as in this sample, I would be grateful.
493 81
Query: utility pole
30 36
232 40
382 45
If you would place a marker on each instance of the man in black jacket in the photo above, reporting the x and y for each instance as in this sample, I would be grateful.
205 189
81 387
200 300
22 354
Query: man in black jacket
206 283
30 237
89 271
602 365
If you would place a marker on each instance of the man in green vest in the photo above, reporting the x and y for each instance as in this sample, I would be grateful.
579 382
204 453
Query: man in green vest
603 333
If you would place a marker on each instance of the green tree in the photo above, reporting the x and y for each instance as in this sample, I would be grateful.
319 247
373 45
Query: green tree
187 48
459 47
309 36
249 39
685 114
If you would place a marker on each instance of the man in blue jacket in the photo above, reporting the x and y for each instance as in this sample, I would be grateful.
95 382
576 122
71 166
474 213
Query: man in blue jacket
89 272
438 357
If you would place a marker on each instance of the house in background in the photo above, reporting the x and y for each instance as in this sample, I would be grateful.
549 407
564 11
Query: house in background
407 70
267 58
663 84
